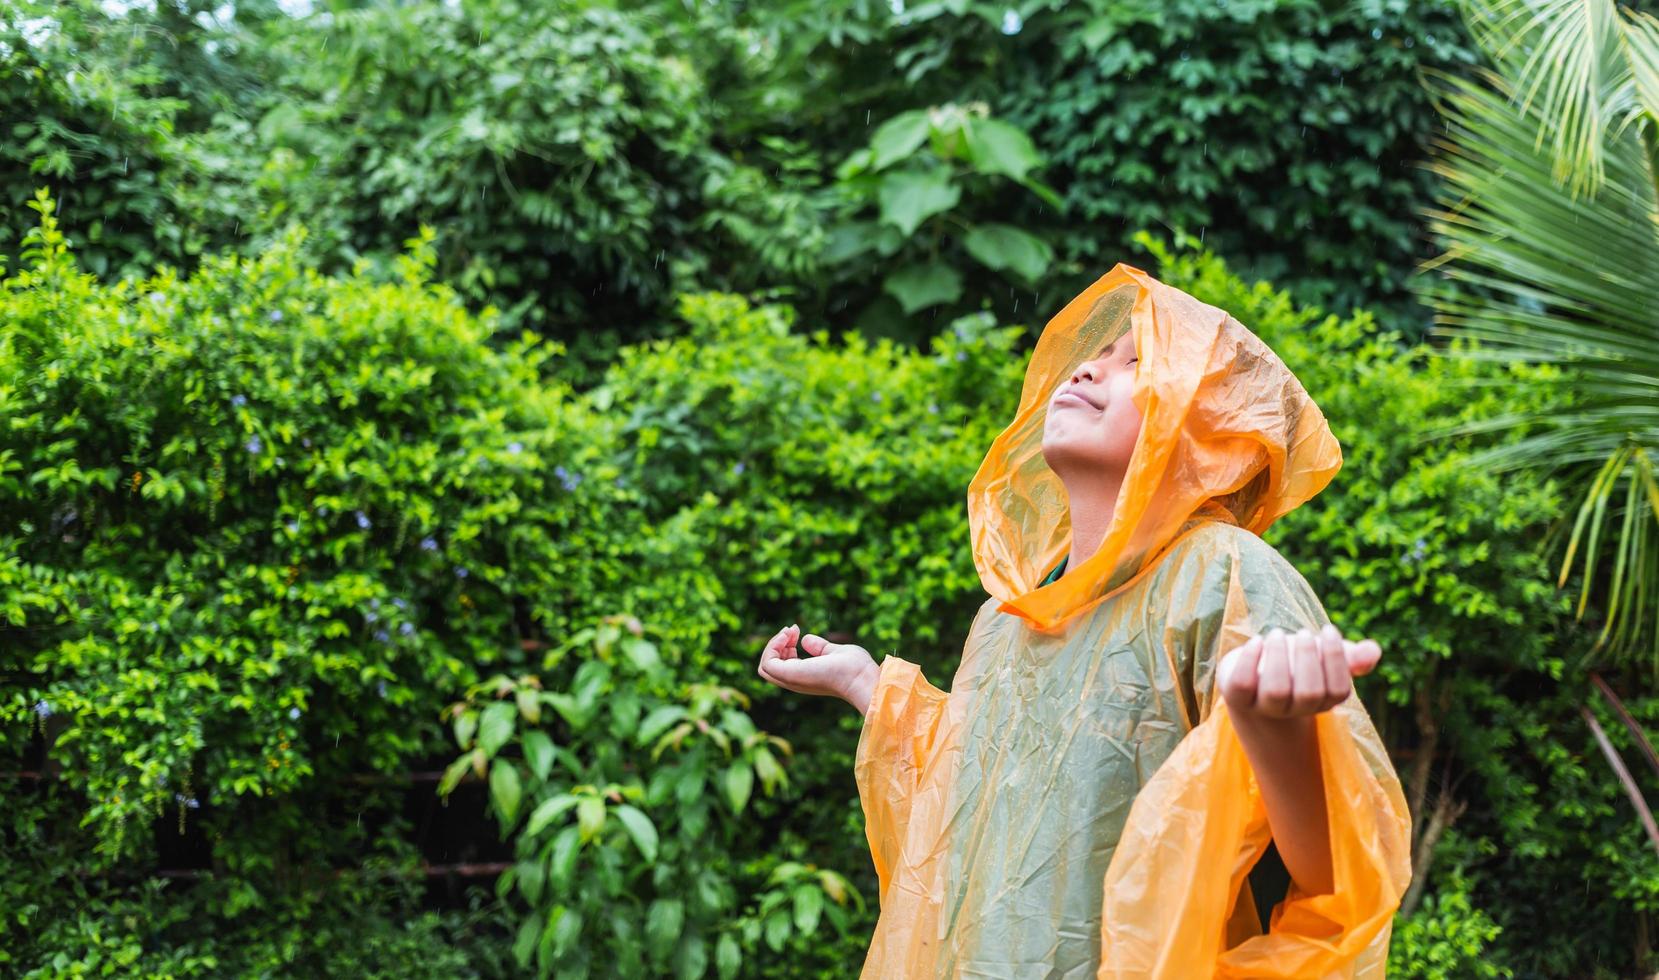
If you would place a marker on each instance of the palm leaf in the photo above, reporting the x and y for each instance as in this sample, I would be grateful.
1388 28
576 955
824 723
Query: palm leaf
1548 217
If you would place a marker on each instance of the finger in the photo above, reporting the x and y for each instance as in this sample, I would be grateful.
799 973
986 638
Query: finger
1333 660
791 641
773 649
1307 674
778 672
1273 690
1237 673
817 646
1363 656
808 675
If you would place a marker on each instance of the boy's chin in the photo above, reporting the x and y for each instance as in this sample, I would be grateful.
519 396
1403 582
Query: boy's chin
1067 457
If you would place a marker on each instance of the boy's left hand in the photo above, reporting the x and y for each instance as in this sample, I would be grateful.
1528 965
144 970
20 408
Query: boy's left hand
1293 675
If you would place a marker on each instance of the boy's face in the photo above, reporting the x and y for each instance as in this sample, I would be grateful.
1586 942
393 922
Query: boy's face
1092 421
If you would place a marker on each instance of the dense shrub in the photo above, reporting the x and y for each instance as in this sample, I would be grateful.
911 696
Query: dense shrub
261 525
351 511
583 166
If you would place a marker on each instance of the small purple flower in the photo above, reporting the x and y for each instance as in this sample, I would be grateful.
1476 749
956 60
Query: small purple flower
239 400
737 468
274 315
293 712
401 604
371 617
189 801
932 409
383 636
374 602
380 688
619 481
961 355
322 511
515 447
407 629
306 442
875 396
561 472
362 520
429 543
43 709
255 445
460 573
293 527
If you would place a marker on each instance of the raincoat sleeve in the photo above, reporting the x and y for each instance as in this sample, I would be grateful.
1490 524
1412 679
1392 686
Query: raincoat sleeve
1176 899
902 727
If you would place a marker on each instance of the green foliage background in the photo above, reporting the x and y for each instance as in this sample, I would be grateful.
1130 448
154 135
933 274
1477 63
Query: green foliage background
472 388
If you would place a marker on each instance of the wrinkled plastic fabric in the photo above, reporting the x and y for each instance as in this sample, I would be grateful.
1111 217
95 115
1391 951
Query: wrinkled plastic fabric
1078 804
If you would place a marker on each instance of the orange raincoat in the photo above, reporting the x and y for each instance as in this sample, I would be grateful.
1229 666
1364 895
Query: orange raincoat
1079 805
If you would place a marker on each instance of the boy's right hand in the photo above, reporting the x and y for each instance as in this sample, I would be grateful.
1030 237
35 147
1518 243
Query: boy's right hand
843 670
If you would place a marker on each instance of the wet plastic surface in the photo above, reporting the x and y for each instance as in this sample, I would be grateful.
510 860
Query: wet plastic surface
1078 805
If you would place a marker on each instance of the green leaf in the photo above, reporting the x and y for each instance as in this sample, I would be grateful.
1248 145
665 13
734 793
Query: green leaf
809 904
590 816
506 791
921 285
567 928
777 930
642 653
658 721
640 828
728 956
739 779
691 960
538 752
910 197
662 925
524 947
898 138
496 727
1006 247
452 775
529 704
531 876
466 725
998 148
547 812
567 844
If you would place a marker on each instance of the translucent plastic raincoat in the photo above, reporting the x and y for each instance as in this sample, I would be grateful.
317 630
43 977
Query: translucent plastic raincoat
1079 804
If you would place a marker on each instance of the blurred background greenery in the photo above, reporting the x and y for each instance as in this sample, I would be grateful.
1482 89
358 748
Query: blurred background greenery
415 416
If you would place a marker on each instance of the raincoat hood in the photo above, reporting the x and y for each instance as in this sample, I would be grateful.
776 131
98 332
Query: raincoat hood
1228 433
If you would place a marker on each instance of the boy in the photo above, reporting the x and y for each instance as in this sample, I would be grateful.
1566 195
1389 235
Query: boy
1079 804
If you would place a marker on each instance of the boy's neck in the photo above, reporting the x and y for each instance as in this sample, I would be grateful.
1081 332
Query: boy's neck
1091 503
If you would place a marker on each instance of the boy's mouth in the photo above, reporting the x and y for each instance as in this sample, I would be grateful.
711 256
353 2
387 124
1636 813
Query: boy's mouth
1072 396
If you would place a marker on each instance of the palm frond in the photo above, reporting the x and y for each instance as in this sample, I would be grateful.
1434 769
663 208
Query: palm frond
1548 214
1572 55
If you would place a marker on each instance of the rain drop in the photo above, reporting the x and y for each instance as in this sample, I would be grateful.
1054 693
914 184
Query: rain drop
1376 34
